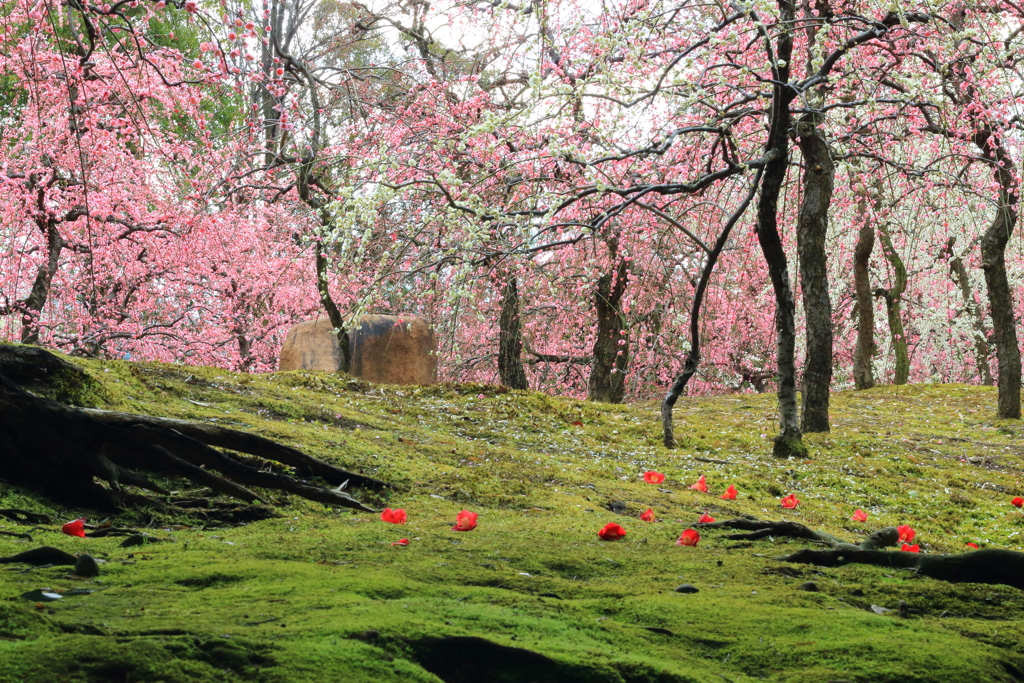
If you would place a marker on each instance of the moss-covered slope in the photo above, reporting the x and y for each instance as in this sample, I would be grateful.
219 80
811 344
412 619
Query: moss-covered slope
532 594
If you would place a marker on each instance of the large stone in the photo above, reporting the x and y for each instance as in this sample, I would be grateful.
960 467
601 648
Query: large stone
394 349
389 349
311 345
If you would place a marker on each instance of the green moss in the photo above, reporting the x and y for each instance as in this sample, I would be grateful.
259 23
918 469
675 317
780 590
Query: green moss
63 382
320 594
789 447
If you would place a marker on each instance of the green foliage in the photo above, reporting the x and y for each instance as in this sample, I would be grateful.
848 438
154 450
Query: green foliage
319 594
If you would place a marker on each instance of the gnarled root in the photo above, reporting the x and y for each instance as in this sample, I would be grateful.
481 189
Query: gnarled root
758 529
978 566
62 450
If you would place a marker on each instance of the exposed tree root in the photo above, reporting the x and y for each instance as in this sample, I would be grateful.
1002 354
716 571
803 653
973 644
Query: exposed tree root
39 557
62 451
222 437
24 516
758 529
978 566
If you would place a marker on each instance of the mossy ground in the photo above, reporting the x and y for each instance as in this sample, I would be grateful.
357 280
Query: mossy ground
322 595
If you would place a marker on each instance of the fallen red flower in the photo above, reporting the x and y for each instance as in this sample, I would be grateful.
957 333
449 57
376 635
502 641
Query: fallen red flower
611 532
972 545
393 516
705 519
654 477
402 542
860 516
790 502
730 493
701 485
1018 502
906 533
465 521
647 515
911 548
75 528
689 537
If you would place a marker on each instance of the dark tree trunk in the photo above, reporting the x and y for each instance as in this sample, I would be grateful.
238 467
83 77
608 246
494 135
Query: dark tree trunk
993 263
40 292
693 355
333 314
62 451
611 348
33 304
893 304
510 339
789 441
812 228
958 273
863 374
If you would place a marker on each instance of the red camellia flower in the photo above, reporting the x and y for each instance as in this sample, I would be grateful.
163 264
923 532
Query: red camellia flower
401 542
701 485
647 515
906 533
393 516
730 493
654 477
689 537
789 502
75 528
911 548
465 521
705 519
611 532
860 516
1018 502
191 6
973 546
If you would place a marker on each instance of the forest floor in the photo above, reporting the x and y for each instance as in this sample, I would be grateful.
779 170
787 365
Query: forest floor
532 594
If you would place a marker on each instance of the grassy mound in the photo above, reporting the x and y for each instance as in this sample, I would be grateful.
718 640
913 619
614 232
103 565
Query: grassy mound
532 594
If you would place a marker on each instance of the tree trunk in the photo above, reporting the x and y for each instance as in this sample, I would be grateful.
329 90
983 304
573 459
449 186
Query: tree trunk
863 374
993 263
32 306
510 339
812 228
789 441
611 348
693 355
333 314
893 299
958 273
